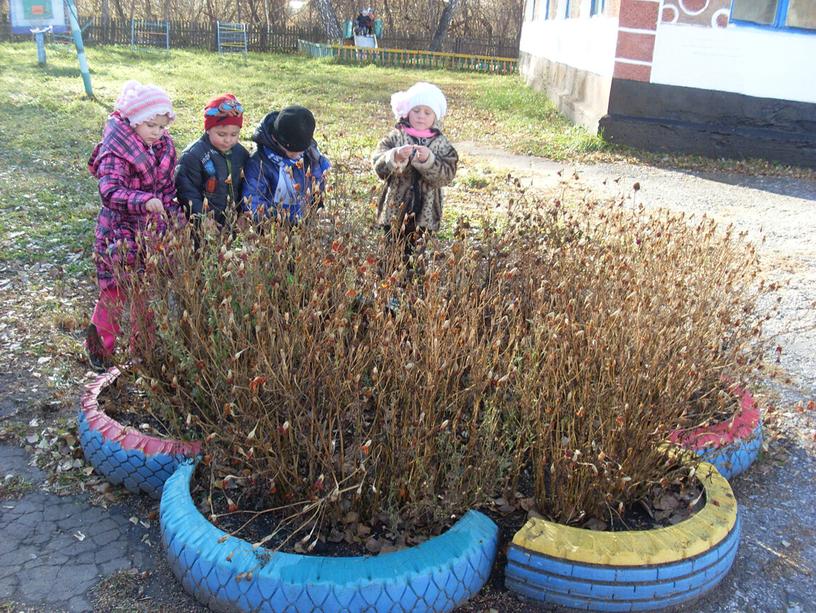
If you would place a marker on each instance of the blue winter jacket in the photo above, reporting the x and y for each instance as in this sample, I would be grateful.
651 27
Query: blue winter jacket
277 185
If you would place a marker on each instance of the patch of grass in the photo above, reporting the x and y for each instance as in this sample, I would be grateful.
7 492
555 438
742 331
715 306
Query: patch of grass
48 201
13 431
534 124
12 607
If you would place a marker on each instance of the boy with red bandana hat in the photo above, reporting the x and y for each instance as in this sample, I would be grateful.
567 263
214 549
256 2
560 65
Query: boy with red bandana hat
212 167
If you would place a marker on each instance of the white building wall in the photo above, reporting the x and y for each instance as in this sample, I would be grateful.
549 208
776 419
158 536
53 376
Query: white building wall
743 60
584 44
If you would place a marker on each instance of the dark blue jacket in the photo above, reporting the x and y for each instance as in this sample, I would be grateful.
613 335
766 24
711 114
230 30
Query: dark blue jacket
277 185
202 171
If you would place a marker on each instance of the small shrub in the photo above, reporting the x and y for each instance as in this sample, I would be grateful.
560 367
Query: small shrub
328 377
637 325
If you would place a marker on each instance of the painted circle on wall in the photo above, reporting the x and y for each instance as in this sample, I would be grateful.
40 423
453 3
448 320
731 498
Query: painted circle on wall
674 15
720 19
693 7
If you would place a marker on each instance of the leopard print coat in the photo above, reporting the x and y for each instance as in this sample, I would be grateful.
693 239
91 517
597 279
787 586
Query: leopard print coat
415 183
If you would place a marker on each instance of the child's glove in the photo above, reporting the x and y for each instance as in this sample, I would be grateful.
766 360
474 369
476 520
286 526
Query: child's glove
154 205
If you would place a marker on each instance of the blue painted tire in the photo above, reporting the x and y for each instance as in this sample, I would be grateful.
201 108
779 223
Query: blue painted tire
734 459
124 456
437 575
640 571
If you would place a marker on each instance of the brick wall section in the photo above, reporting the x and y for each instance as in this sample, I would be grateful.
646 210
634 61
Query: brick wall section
632 72
637 25
635 46
639 14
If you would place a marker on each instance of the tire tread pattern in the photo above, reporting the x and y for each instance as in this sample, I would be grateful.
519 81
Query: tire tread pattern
437 575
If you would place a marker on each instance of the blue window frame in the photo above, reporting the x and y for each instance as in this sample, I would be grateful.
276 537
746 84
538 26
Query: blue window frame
796 15
597 7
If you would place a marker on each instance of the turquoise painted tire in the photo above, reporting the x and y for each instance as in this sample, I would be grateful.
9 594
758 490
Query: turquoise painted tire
437 575
628 571
125 456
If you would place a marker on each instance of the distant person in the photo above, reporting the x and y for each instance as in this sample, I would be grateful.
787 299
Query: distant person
285 177
211 169
365 22
134 165
414 161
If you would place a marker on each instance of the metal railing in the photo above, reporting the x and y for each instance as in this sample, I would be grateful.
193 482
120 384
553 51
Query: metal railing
406 58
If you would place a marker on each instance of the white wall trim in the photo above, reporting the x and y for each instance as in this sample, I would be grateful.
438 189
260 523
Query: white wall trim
624 60
638 31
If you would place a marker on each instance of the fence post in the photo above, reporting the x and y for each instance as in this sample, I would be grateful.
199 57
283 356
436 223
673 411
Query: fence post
39 39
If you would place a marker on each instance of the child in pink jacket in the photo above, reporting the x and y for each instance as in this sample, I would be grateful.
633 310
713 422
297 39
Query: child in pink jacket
134 164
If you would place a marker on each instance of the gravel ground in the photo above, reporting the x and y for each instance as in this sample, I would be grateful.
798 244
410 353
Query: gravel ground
775 569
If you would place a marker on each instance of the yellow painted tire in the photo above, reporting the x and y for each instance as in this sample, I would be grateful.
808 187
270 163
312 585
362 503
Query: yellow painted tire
629 571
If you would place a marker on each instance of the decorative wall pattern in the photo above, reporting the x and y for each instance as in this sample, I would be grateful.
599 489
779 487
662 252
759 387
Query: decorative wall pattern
710 13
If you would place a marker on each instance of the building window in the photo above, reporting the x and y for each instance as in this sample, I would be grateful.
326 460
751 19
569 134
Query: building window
596 7
794 14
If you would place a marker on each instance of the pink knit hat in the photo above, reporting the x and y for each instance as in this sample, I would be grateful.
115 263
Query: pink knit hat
139 103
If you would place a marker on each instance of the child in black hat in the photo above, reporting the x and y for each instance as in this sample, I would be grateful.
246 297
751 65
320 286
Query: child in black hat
285 177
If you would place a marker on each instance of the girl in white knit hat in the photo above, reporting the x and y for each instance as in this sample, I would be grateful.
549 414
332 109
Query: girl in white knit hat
414 160
134 165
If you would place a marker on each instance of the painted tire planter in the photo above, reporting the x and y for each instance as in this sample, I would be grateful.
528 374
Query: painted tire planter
122 454
628 571
732 445
437 575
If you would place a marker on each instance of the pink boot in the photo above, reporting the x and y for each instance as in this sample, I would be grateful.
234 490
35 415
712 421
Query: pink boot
100 340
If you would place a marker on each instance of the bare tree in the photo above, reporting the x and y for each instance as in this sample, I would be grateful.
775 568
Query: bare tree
328 18
410 21
444 23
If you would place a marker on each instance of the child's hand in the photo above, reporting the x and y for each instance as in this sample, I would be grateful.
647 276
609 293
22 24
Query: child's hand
422 154
403 153
154 205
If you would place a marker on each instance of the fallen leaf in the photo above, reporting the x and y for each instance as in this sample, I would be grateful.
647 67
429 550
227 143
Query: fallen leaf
667 502
373 545
363 530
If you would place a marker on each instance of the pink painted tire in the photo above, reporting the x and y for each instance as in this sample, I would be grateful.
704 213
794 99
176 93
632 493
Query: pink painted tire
122 454
733 445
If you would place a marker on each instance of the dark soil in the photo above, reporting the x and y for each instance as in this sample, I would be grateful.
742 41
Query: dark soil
124 401
346 536
349 536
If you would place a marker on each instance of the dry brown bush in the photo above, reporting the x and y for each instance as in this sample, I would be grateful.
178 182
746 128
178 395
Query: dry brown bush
328 377
640 323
